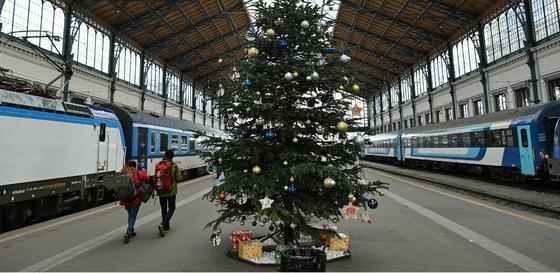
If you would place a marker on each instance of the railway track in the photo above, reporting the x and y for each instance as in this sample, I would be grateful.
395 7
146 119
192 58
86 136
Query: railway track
508 200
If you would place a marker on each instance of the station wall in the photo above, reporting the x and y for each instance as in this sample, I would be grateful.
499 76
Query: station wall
505 76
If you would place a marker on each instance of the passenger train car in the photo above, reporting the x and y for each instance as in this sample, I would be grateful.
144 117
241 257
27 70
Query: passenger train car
151 135
516 144
56 156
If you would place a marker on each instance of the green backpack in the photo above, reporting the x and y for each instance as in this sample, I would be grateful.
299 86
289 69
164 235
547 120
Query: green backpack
124 186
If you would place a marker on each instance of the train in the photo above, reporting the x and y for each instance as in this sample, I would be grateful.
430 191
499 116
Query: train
521 145
58 156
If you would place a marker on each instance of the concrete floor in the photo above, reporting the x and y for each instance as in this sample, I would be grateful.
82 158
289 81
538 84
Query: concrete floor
411 232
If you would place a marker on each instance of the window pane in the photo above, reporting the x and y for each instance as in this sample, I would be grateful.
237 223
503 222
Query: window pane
47 23
153 142
34 24
20 15
7 16
174 142
163 142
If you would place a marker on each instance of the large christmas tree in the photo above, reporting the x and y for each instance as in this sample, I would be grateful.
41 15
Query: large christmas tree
288 158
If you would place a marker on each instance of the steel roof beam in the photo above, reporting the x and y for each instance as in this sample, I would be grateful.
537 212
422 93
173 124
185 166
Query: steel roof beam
395 43
150 32
148 5
202 45
147 18
360 31
173 37
417 31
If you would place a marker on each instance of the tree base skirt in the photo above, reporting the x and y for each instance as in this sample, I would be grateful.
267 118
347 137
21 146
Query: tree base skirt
233 253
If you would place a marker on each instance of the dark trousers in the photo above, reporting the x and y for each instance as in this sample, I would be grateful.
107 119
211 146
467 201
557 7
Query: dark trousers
167 208
132 213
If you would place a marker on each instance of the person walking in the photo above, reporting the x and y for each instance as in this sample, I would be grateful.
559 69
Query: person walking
132 206
165 179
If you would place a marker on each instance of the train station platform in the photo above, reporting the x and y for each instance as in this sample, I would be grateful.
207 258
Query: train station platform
415 228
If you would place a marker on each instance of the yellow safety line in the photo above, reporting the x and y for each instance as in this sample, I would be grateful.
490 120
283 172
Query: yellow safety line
522 217
80 216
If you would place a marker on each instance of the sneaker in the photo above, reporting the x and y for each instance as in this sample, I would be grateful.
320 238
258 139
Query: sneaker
126 238
166 227
161 231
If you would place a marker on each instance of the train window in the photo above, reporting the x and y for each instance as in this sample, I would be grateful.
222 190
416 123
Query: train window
163 142
427 142
435 140
175 143
191 144
495 138
510 138
478 139
444 141
466 139
102 132
184 143
524 139
153 142
454 140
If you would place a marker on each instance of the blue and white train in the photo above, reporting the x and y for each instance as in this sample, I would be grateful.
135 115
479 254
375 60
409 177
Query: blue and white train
518 144
56 156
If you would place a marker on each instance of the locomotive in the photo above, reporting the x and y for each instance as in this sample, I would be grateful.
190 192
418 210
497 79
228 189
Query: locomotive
57 156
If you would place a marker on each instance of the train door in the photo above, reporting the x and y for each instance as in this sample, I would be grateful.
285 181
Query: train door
142 148
526 150
400 155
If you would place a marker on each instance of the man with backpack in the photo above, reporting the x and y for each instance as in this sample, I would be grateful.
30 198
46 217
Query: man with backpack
165 182
128 188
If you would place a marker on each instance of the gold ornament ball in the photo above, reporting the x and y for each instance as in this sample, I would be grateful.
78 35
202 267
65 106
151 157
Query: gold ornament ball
340 87
256 169
356 88
342 126
253 52
285 163
245 171
350 196
270 33
292 179
381 193
295 74
336 220
220 160
329 183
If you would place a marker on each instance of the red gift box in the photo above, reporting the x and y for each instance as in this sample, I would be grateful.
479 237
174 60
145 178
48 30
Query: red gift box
240 235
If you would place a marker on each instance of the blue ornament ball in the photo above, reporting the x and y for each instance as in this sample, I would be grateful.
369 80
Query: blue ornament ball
292 189
329 49
245 133
283 44
270 135
248 83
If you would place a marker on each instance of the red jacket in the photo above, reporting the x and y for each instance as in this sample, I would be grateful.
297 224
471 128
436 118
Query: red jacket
138 176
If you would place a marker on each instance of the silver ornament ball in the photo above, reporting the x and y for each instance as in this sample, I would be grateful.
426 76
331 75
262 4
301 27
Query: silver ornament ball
359 140
305 24
288 76
344 58
293 226
308 78
315 76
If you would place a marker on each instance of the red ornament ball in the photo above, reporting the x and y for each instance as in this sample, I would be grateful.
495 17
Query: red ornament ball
221 196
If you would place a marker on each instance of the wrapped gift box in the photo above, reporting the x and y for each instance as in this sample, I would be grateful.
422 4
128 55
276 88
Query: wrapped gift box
278 252
250 250
239 236
338 243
